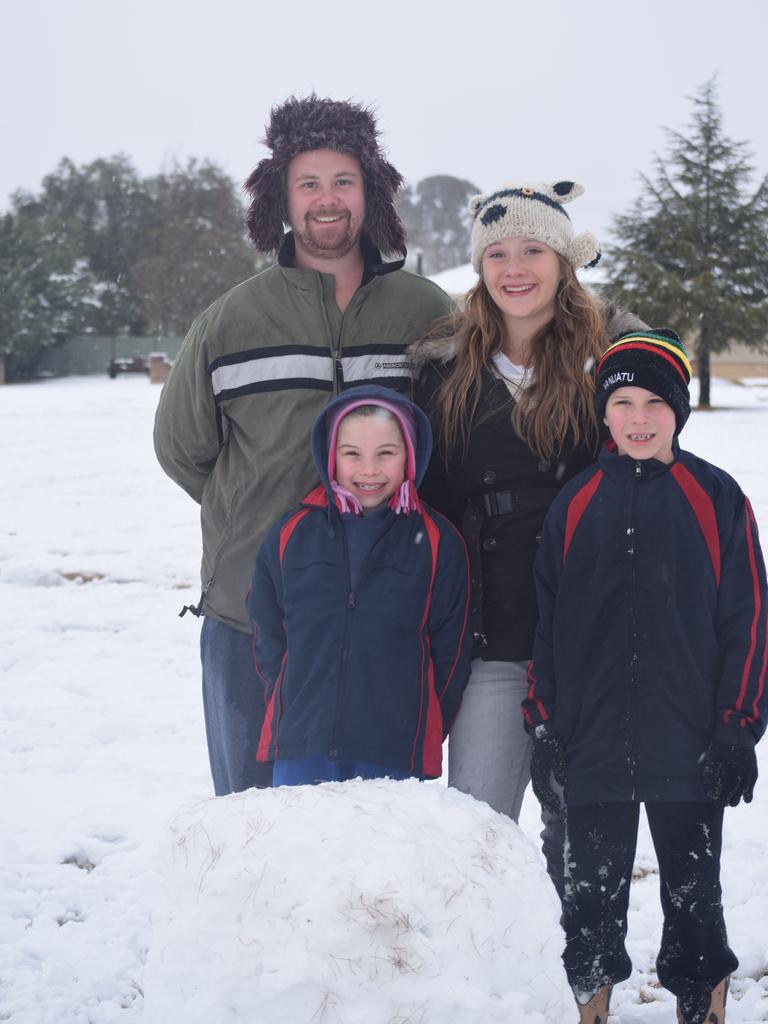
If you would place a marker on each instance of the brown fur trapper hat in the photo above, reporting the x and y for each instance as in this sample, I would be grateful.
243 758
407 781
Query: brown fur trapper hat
299 125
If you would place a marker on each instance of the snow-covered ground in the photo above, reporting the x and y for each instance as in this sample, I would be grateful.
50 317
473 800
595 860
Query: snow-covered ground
105 777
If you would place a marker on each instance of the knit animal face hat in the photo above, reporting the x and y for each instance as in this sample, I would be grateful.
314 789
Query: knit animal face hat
300 125
654 360
405 499
531 210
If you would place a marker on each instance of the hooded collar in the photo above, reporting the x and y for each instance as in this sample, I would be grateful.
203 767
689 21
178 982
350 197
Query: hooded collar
373 394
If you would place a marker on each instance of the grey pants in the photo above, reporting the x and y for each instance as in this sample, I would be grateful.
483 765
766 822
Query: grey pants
489 751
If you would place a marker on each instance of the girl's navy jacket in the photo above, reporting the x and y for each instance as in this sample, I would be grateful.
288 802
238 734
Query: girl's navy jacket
373 673
652 626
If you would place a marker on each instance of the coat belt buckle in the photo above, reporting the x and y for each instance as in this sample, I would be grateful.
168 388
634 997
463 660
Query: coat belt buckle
500 503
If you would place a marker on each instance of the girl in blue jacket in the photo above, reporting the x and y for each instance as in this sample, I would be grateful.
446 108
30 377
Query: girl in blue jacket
359 606
647 683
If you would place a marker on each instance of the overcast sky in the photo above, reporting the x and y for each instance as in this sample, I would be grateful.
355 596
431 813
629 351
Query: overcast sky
487 90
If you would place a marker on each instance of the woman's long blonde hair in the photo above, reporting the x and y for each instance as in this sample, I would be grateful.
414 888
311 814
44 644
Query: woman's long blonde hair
559 403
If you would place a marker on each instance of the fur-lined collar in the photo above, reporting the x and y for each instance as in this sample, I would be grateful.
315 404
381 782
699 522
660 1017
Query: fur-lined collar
444 348
433 348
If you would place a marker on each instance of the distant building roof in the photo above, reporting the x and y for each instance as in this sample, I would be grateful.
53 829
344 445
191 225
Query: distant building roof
457 280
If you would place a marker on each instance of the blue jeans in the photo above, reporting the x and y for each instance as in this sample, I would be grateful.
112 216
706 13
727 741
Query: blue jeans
233 702
489 751
306 771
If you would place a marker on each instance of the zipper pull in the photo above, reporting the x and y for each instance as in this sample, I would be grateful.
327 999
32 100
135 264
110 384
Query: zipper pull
197 610
638 470
350 600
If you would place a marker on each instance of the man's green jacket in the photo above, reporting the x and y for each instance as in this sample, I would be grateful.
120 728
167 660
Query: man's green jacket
234 419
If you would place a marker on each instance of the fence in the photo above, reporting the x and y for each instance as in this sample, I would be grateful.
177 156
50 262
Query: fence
90 353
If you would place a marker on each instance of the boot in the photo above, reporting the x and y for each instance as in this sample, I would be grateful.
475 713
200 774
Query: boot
705 1009
596 1010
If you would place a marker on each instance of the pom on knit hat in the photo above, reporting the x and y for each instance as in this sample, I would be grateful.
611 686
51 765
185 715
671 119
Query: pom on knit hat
531 210
654 360
302 124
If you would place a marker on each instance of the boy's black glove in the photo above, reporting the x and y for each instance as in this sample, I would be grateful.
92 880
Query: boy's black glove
548 769
729 774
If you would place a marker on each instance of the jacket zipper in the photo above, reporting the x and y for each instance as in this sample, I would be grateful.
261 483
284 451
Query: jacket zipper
338 369
633 660
336 345
351 604
338 373
199 608
348 610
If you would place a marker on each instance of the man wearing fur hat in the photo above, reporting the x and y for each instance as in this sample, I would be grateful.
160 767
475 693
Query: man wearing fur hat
260 363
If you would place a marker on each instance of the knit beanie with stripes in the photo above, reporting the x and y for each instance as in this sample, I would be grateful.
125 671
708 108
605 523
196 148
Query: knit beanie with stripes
654 360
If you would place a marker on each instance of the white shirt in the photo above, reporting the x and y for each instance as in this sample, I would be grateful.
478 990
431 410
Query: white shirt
516 377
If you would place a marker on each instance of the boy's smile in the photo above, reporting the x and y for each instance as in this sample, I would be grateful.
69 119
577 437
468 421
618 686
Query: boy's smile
642 424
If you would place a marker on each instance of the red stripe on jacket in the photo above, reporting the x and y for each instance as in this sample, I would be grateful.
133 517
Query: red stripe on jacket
704 510
463 625
272 715
577 506
749 522
434 718
315 497
532 684
764 666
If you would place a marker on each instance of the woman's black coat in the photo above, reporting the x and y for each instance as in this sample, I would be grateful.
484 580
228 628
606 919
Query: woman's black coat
497 491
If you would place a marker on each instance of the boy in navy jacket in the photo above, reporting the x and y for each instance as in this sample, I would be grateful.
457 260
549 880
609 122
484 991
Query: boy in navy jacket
647 683
359 606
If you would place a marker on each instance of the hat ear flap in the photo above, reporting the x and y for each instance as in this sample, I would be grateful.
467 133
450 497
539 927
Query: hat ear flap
584 251
565 191
266 210
382 223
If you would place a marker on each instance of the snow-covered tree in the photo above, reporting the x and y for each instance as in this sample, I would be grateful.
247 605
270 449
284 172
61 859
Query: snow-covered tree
98 214
437 222
692 253
100 249
44 292
195 246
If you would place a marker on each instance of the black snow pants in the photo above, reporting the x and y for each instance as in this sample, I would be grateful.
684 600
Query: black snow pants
600 852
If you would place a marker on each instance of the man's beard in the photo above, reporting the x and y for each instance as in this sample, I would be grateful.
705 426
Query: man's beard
318 241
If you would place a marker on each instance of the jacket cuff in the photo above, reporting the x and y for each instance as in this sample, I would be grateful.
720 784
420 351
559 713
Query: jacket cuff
736 733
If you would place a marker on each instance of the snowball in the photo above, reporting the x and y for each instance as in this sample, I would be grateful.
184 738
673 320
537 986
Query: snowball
348 902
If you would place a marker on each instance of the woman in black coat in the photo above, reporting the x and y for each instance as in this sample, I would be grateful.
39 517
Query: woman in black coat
508 384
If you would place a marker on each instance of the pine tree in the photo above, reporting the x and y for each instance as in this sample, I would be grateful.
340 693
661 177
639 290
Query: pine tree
692 254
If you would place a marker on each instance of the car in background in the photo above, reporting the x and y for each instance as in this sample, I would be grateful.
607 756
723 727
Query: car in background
127 364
